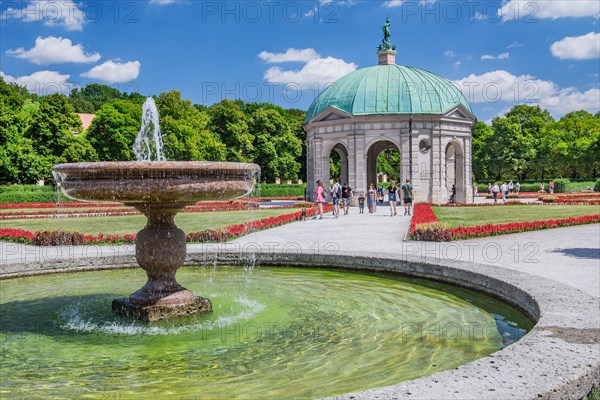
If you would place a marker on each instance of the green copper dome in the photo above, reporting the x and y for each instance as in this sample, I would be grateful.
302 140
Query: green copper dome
389 89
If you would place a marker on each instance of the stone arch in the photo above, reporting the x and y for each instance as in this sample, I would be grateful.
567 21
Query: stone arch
455 170
342 150
373 149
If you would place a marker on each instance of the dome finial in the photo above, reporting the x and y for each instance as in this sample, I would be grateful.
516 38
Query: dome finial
386 50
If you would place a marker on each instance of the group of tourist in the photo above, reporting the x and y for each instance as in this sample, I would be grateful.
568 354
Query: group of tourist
504 190
342 195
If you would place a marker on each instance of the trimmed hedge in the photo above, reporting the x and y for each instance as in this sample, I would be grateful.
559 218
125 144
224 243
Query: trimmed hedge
597 186
275 190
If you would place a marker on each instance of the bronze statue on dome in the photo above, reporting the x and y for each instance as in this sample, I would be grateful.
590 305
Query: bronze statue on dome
386 44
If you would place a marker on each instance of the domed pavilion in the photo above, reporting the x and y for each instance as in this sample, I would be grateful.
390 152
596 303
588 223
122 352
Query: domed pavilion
393 107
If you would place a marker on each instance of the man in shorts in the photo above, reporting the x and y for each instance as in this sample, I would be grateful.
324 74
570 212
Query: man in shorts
346 197
336 191
407 194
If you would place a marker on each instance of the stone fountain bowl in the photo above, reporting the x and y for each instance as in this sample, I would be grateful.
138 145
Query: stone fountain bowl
156 181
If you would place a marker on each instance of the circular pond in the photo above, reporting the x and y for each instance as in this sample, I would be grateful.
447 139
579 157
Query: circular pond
274 332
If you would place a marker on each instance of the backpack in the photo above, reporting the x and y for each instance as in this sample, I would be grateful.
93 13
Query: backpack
338 192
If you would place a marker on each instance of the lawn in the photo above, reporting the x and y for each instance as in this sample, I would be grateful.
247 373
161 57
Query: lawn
472 216
189 222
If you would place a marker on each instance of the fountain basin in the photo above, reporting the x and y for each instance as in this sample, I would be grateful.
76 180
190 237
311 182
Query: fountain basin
178 182
159 190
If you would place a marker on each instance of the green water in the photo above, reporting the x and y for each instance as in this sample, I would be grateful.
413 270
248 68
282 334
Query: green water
274 333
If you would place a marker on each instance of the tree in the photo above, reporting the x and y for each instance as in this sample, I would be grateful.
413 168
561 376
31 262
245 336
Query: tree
511 149
579 134
480 150
185 130
94 94
53 131
275 147
114 129
536 124
231 124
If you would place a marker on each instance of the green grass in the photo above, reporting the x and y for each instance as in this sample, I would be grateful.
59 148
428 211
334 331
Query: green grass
594 394
579 186
472 216
189 222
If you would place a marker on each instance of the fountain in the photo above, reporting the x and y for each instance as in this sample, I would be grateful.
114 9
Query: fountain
159 190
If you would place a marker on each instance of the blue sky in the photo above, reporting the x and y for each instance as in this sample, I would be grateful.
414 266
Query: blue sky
499 52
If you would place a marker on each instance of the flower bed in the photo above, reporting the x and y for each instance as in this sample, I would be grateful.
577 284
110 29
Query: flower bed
572 198
426 226
59 238
120 211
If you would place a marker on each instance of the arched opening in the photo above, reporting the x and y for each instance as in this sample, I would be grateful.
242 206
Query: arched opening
338 163
455 176
383 163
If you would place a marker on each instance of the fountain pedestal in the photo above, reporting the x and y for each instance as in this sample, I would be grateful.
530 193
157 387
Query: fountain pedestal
160 250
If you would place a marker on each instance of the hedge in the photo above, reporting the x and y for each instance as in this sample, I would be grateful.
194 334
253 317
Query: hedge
275 190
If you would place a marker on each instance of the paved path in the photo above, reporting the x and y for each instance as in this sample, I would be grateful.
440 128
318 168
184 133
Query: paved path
568 255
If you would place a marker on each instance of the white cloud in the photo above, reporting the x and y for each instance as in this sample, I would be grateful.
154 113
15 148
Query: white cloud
514 44
114 72
502 86
53 50
65 13
393 3
450 53
321 71
41 82
502 56
299 55
457 65
568 101
577 47
548 9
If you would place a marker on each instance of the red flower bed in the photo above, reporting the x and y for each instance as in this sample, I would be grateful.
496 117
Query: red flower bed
59 238
467 232
425 226
422 214
66 204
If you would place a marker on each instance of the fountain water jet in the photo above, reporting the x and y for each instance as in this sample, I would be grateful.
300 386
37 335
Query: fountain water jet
159 190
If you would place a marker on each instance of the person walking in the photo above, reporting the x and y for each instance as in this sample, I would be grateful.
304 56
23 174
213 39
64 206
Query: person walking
551 187
542 188
511 187
407 194
517 187
346 196
336 191
392 192
380 193
320 198
495 191
504 190
372 199
475 191
361 203
453 194
490 188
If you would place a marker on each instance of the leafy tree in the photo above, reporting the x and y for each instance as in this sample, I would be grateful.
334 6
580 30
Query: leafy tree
114 129
96 94
389 164
82 106
53 132
577 152
511 148
185 130
231 124
480 146
275 147
536 124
